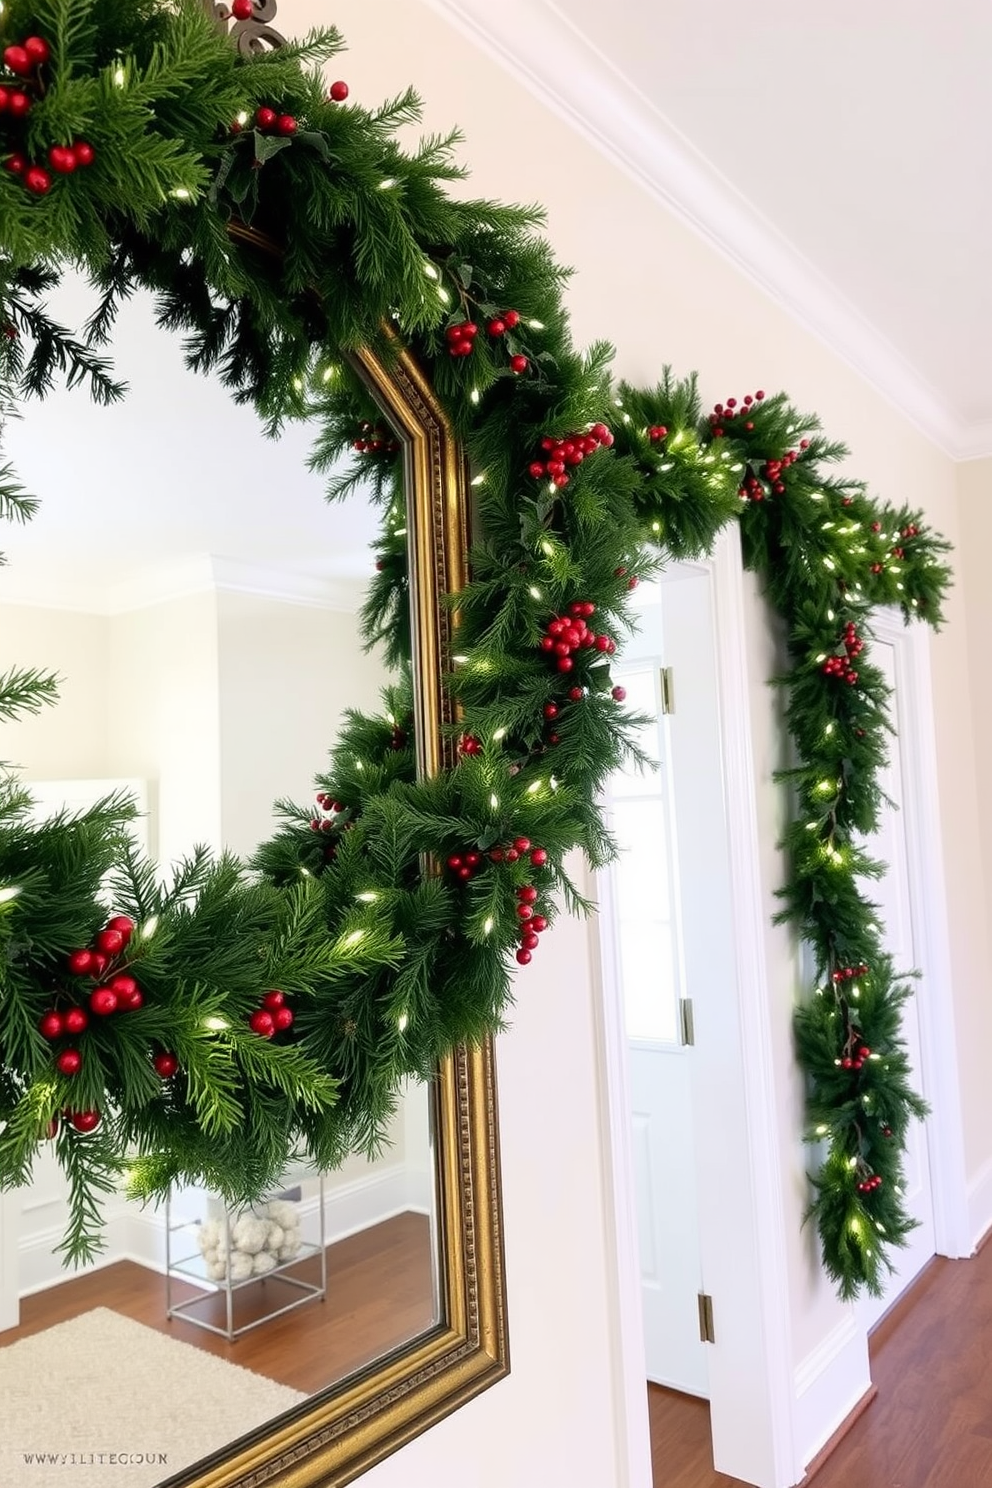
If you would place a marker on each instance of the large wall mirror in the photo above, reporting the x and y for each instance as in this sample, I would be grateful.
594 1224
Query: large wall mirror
199 600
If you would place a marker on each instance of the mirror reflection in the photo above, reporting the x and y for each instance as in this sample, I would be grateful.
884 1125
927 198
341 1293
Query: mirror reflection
199 601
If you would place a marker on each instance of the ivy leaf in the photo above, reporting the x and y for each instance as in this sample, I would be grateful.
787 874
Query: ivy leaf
223 171
317 141
244 188
267 145
465 273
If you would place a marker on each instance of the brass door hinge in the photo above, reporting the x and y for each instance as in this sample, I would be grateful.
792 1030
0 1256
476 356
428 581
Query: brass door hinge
687 1028
667 690
706 1334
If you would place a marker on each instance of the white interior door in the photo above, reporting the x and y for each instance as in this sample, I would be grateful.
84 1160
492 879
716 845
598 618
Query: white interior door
666 947
893 895
642 913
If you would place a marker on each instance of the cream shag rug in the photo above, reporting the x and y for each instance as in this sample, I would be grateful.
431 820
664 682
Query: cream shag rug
100 1401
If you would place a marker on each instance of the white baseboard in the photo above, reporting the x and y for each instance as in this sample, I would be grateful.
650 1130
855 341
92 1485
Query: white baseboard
39 1267
138 1235
980 1204
829 1383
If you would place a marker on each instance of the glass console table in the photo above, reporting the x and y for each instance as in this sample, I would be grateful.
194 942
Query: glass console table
217 1270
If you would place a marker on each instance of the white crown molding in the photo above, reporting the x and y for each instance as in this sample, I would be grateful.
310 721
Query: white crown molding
975 442
233 577
568 73
181 578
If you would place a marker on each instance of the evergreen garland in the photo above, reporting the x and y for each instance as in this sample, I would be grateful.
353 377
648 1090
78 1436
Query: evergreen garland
582 489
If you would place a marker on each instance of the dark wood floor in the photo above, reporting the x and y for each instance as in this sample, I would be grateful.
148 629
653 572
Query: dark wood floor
379 1295
930 1426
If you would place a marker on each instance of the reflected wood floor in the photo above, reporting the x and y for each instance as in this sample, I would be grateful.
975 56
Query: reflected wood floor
379 1295
930 1426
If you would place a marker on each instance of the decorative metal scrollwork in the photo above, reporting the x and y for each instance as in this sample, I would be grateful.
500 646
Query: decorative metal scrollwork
252 35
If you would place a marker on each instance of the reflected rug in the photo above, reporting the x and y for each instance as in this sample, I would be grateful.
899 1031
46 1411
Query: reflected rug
104 1402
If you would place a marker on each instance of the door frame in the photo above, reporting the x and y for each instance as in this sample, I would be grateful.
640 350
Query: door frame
755 1363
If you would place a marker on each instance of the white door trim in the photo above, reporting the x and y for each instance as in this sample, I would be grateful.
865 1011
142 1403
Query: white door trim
928 900
762 1231
620 1219
10 1221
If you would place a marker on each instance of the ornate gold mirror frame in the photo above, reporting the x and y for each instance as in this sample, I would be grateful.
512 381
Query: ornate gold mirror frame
337 1435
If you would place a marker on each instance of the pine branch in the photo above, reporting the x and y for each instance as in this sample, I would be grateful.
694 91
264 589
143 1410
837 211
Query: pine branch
26 691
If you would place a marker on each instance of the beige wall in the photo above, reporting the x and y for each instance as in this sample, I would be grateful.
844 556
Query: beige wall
968 685
166 718
647 283
68 738
287 672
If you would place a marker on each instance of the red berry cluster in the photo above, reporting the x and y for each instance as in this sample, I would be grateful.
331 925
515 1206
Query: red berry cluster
63 160
461 338
469 744
723 413
632 582
856 1059
500 324
657 433
272 1017
461 335
329 809
375 439
23 61
465 865
840 666
773 470
270 121
911 531
531 923
751 488
847 973
868 1185
338 92
519 848
567 634
570 450
107 945
114 994
117 993
328 820
14 101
